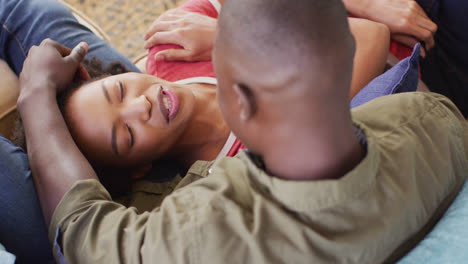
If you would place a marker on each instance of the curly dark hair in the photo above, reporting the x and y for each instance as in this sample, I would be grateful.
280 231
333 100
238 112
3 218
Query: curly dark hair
118 183
96 71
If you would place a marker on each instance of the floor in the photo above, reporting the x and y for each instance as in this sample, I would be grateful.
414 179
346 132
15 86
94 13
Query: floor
125 21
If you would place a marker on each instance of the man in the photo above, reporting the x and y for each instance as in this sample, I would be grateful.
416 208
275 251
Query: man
318 184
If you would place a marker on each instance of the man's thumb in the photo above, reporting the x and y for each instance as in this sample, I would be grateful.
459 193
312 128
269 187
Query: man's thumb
78 53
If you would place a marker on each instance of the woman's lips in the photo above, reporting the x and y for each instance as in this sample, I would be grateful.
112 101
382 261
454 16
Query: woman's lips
172 103
168 103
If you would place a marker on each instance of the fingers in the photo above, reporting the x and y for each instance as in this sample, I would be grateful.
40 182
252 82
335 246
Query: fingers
157 26
81 51
420 25
408 41
76 56
174 55
170 37
423 34
64 51
78 53
428 29
164 22
425 22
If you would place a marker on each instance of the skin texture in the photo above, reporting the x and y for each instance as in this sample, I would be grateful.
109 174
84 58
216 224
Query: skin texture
372 45
129 103
406 20
141 127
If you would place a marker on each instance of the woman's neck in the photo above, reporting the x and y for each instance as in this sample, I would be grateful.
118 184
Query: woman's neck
206 132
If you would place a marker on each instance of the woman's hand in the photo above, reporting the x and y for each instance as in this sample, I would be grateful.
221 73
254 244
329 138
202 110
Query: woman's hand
406 20
194 32
50 68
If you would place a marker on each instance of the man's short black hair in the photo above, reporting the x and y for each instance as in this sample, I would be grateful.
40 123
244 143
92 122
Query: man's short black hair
287 31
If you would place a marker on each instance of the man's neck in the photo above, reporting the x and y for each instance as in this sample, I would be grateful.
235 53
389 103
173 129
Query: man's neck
322 153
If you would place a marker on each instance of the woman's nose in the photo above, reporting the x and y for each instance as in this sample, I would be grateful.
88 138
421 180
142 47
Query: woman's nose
138 108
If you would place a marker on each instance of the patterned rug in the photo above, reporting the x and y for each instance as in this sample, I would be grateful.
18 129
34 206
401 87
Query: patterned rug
125 21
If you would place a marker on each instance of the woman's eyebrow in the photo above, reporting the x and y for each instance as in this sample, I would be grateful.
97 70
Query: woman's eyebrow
114 139
106 94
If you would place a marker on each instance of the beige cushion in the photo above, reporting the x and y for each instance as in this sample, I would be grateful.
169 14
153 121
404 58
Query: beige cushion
8 95
140 62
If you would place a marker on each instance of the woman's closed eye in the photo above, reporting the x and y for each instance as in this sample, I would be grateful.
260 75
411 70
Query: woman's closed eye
129 129
122 94
131 137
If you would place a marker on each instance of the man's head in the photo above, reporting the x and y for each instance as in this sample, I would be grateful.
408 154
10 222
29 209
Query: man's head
283 67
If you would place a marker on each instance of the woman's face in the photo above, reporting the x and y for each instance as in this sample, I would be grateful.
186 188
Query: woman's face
128 119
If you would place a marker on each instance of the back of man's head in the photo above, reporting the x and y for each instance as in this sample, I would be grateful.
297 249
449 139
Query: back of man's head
282 66
289 34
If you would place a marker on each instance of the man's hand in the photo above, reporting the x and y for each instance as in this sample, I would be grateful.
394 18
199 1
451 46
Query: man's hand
55 161
406 20
194 32
50 67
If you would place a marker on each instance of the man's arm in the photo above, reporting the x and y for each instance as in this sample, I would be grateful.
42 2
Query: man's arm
55 161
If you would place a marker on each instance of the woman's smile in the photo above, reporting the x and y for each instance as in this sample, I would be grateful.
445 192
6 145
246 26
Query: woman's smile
129 117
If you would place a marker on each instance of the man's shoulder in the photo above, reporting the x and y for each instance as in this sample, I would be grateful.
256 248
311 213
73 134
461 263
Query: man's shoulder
388 113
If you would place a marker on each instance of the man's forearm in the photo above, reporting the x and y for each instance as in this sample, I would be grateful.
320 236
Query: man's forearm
55 160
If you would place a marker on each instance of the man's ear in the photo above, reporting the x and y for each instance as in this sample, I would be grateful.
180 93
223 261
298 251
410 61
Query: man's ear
246 101
140 171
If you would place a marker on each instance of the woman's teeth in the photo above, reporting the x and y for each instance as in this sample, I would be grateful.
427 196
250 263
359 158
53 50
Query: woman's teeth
167 103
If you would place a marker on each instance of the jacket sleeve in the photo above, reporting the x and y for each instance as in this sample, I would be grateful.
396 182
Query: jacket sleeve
88 227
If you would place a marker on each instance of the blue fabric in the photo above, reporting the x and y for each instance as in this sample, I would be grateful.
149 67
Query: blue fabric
22 229
28 22
403 77
448 241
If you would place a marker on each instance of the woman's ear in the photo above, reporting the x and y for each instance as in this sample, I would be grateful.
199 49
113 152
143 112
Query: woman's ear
140 171
246 101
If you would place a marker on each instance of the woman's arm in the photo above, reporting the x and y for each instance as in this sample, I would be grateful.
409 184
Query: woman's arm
407 21
372 45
